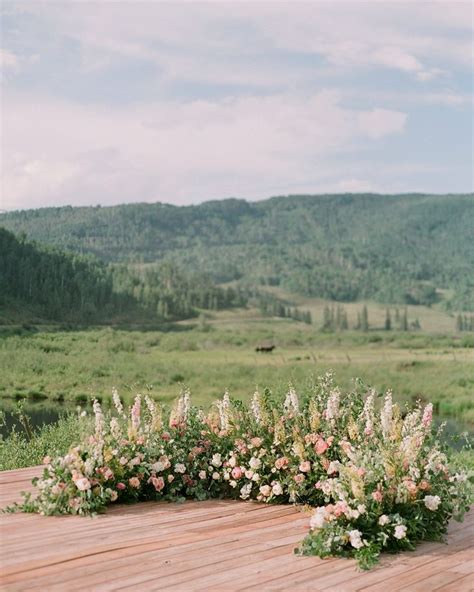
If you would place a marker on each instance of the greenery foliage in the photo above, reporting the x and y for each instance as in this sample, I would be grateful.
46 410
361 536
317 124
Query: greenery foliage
391 248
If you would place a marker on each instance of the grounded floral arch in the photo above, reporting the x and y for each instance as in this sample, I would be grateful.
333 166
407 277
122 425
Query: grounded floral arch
376 480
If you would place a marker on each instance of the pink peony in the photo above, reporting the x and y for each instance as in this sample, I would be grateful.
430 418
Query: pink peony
134 482
281 463
305 466
237 472
121 486
377 496
321 446
299 478
82 484
158 483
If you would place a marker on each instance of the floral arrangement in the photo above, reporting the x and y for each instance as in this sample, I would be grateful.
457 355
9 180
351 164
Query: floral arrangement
375 479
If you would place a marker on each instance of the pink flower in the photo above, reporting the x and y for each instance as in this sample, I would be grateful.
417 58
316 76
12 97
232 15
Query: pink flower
281 463
134 482
237 472
305 466
361 472
108 474
82 484
321 446
165 436
377 496
256 442
299 478
265 490
424 485
158 483
121 486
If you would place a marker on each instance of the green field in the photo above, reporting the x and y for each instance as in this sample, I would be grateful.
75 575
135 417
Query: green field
53 368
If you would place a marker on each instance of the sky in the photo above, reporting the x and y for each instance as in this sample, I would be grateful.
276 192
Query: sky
182 102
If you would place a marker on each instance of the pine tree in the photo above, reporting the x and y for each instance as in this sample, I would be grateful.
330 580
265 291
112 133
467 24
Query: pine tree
364 319
404 321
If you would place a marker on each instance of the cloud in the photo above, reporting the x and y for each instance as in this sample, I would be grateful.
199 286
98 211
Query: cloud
61 152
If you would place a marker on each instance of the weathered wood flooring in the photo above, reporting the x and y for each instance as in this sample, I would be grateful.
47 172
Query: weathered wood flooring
203 546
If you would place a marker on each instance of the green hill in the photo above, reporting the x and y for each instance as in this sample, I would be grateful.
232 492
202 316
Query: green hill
391 248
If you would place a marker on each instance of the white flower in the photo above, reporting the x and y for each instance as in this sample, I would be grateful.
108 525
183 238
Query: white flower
255 463
226 476
400 531
179 468
202 474
158 467
216 476
277 489
355 538
332 408
432 502
333 467
386 414
361 508
291 403
383 520
232 461
266 490
245 491
256 407
256 477
319 518
216 460
233 484
82 484
248 474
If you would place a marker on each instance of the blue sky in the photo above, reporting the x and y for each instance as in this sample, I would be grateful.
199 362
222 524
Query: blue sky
111 102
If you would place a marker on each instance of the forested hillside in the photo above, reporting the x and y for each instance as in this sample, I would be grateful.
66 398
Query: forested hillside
392 248
41 282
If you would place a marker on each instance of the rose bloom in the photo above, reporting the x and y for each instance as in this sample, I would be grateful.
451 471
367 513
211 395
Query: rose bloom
255 463
170 478
277 489
266 490
305 466
134 482
281 463
123 460
237 472
299 478
383 520
108 474
158 483
321 446
432 502
180 468
216 476
400 531
411 487
121 486
248 474
113 496
202 474
82 484
232 461
377 496
256 442
424 485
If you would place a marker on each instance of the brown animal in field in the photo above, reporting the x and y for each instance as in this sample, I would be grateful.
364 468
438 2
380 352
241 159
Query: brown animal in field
265 348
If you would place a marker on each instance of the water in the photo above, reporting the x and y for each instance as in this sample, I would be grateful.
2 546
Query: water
38 416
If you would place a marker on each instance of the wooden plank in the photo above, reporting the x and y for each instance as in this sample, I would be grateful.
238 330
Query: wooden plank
213 545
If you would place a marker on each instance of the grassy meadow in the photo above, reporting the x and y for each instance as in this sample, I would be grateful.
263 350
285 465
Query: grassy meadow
52 367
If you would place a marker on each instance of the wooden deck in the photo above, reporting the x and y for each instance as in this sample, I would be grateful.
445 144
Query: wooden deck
203 546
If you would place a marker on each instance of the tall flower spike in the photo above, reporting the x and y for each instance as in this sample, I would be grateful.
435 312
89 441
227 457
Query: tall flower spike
386 414
291 403
117 402
256 407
